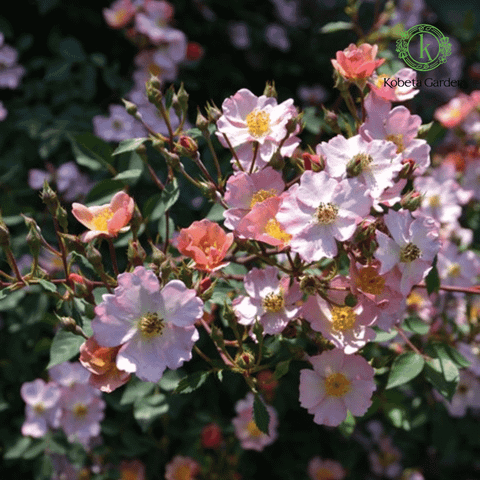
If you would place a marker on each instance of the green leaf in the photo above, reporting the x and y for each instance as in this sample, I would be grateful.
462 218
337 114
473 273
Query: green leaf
129 176
147 410
167 199
281 369
136 390
261 416
399 417
415 325
432 280
405 367
191 382
348 425
443 375
313 123
71 49
169 97
91 152
216 213
129 145
47 285
18 449
103 192
336 27
382 336
170 380
65 345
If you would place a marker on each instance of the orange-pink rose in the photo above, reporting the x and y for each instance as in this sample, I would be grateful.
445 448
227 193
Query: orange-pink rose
107 220
357 63
206 243
100 362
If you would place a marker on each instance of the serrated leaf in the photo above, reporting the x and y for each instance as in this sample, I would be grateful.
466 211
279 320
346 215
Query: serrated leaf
281 369
432 280
47 285
261 416
191 382
168 197
65 346
336 27
170 380
443 375
129 145
129 176
405 368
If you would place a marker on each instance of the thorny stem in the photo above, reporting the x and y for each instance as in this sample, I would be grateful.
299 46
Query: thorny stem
13 264
227 359
63 251
113 256
410 344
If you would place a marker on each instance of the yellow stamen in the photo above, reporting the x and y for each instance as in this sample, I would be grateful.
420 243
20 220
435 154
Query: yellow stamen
273 302
80 410
275 230
343 318
101 218
434 201
258 123
183 472
337 385
397 139
39 408
253 430
409 253
326 213
369 281
455 270
151 325
262 195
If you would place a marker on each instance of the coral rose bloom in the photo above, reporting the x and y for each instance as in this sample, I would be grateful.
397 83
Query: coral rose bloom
357 63
206 243
107 220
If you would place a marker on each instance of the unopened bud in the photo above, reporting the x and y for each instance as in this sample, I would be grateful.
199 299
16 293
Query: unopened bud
201 122
409 166
4 235
182 97
172 159
211 436
330 117
310 284
354 166
186 146
130 107
158 257
365 230
49 198
245 359
61 214
73 244
411 200
270 90
136 220
94 257
135 253
295 125
213 112
313 162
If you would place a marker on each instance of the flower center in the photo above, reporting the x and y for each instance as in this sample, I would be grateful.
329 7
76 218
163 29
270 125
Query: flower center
414 299
324 474
380 80
337 385
434 201
363 159
274 229
261 195
39 408
343 318
258 123
155 70
409 253
117 125
326 213
455 270
151 325
273 302
253 430
101 218
387 458
369 281
183 472
397 139
80 410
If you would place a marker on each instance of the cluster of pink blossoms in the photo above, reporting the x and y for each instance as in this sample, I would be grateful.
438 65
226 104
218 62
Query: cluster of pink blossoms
162 49
67 401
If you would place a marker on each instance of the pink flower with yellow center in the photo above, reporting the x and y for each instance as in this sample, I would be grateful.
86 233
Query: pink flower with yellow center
132 470
182 468
250 436
357 63
105 220
206 243
100 362
319 469
119 14
455 111
396 88
337 383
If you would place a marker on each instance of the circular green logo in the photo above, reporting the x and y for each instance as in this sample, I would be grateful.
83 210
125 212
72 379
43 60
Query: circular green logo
423 47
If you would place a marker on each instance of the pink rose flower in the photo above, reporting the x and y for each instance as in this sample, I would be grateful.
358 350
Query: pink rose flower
100 362
337 383
250 436
180 467
357 63
206 243
119 14
319 469
106 220
155 327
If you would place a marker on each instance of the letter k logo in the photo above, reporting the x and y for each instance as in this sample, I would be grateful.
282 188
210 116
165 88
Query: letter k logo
424 49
